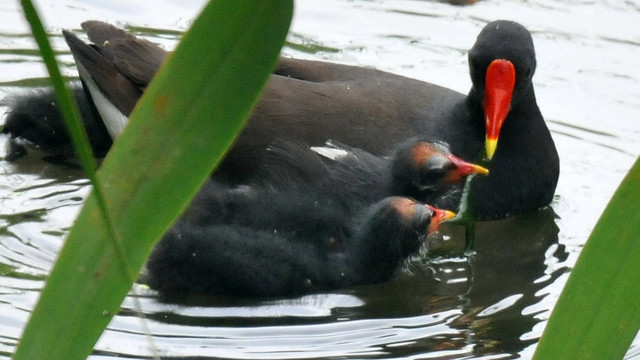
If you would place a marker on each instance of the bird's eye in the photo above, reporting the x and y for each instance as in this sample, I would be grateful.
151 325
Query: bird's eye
438 173
432 175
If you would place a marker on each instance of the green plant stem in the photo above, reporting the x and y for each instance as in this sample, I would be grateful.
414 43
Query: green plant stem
465 217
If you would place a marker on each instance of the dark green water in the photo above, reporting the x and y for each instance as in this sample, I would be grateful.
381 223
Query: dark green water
493 305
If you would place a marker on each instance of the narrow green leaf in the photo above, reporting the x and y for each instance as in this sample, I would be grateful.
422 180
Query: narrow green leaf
178 132
598 313
71 116
66 102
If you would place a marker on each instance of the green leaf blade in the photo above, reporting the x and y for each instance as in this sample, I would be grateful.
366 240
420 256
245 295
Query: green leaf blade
188 117
598 313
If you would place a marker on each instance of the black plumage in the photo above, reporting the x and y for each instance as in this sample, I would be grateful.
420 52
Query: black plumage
416 168
243 261
34 116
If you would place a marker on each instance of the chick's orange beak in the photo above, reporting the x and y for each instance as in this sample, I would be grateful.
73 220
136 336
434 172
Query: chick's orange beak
439 215
463 169
499 82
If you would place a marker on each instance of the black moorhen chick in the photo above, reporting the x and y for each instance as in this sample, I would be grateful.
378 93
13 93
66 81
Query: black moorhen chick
242 261
34 116
417 168
311 102
294 211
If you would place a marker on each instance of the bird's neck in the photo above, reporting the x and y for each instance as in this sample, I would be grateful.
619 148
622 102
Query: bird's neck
380 252
524 170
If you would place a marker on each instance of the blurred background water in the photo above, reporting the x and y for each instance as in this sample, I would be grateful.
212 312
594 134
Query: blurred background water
492 306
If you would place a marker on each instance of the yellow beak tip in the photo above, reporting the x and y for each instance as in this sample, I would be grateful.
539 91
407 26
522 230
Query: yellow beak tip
491 145
480 170
449 214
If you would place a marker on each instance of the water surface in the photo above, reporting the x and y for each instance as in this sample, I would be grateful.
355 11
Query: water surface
493 305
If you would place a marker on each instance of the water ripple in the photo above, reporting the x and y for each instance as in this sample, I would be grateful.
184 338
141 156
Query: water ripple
494 305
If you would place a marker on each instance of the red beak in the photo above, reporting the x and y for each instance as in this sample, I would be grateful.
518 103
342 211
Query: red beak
499 82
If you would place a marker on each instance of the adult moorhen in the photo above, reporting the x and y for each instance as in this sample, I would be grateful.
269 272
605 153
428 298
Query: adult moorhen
312 102
243 261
